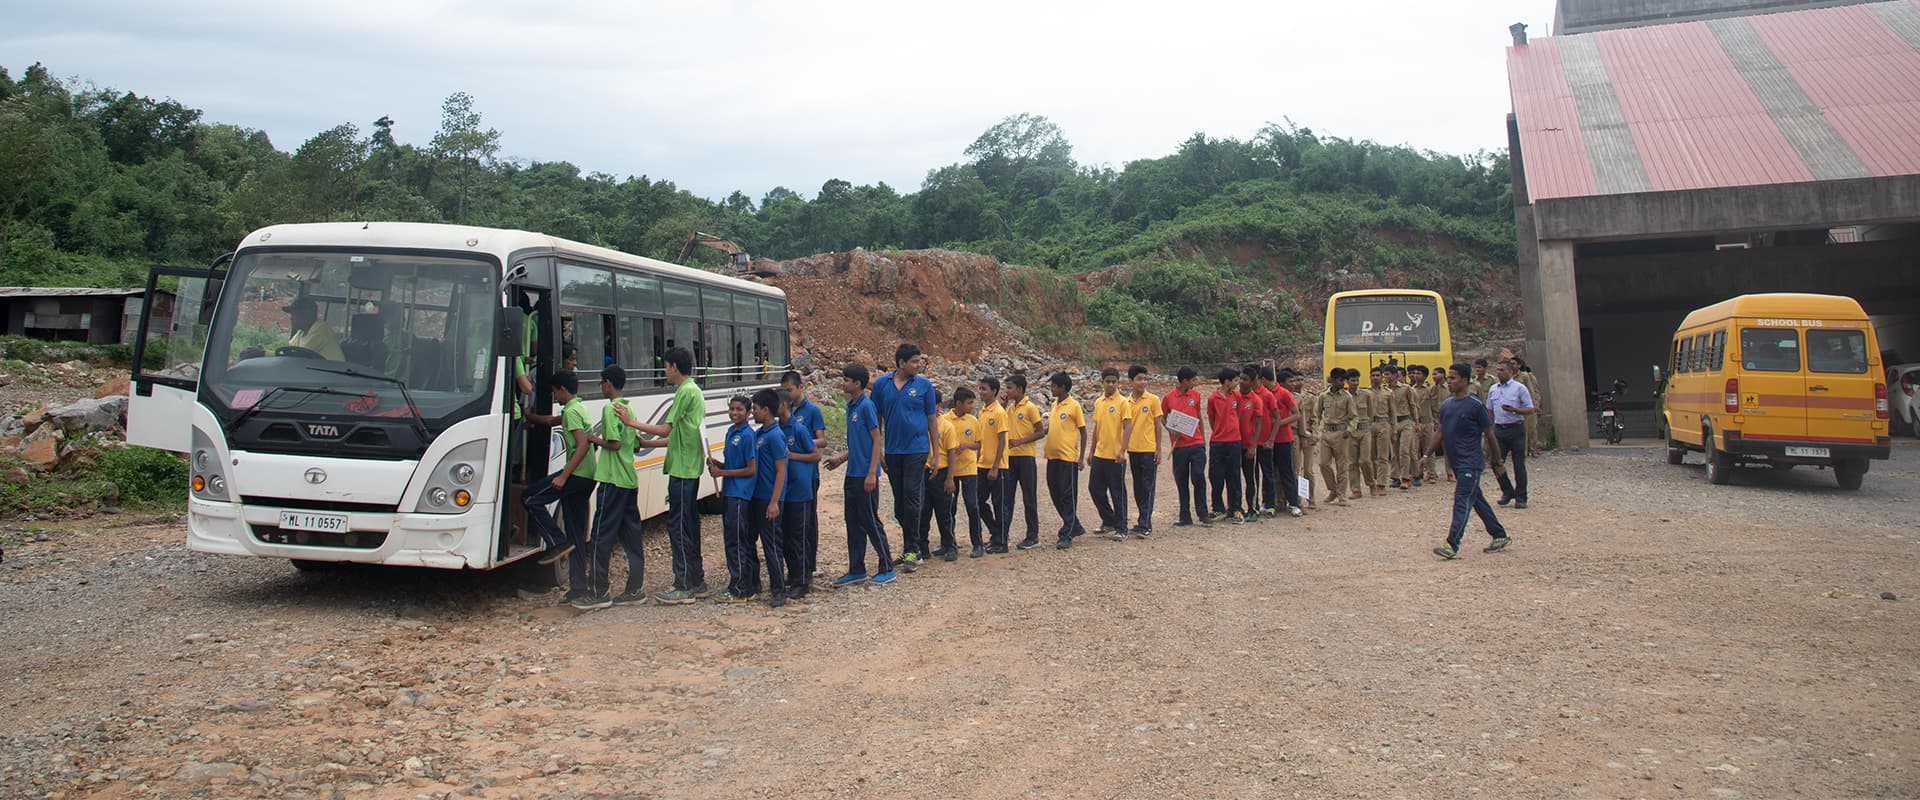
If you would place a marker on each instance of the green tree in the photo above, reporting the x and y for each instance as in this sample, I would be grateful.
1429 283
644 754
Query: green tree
464 143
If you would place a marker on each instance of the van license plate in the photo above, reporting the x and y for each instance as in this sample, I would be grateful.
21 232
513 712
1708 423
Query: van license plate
1809 452
308 521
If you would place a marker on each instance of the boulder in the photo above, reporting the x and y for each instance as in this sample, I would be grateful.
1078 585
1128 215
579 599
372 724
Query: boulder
118 387
42 452
97 414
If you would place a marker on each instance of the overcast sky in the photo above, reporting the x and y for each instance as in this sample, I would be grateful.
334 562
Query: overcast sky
717 95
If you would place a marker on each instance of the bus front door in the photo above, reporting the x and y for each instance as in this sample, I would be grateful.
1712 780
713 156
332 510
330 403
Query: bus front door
167 350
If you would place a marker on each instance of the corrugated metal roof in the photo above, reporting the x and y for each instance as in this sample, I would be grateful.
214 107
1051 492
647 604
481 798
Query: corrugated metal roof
52 291
1820 94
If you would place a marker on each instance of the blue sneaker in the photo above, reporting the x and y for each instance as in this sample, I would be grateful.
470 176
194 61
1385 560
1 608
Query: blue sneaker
849 579
884 577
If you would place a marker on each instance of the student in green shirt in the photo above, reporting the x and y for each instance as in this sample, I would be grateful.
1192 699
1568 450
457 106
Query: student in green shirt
685 429
617 501
572 486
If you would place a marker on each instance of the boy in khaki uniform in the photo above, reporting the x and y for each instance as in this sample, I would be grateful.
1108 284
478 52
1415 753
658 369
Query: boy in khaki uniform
1337 419
1382 431
1306 430
1422 420
1360 467
1405 437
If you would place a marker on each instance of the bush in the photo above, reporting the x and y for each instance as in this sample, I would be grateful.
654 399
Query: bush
145 475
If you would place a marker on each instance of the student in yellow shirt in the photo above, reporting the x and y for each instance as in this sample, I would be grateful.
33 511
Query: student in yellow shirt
1143 449
1025 426
1112 428
939 505
963 464
1066 448
996 484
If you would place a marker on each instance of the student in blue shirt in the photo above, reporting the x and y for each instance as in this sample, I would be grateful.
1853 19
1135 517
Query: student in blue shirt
811 420
860 492
908 418
796 502
1464 426
737 468
769 485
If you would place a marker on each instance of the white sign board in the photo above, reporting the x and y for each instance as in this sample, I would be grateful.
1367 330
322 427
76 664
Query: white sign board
1183 423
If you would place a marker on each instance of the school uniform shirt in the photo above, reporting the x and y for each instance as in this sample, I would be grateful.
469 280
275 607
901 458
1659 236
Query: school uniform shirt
800 474
1249 412
734 454
1363 405
1284 406
573 417
1188 403
1110 414
686 439
1022 419
945 438
615 466
1146 437
1309 424
810 418
861 420
965 430
1263 410
1421 413
993 422
1462 423
1382 400
904 411
1337 407
1223 410
1400 403
770 449
1063 437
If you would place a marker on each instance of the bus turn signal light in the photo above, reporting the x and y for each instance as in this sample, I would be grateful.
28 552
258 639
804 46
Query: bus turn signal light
462 498
199 484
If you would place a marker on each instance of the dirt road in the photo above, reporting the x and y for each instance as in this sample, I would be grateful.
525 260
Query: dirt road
1648 635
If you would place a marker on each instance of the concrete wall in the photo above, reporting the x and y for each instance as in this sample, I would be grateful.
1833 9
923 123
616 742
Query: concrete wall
1626 345
1785 206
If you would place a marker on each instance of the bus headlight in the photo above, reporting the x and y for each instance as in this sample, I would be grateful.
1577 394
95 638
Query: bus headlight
209 481
460 467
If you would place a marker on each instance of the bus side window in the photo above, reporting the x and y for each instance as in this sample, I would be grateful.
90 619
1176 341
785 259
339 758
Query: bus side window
1719 349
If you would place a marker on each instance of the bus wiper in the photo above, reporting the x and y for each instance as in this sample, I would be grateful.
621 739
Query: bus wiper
418 421
261 403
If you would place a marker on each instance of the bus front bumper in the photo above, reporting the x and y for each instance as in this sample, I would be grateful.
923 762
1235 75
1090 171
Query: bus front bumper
442 541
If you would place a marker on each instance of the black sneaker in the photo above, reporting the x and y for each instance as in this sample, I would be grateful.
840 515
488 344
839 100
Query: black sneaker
1498 544
1505 500
555 554
701 592
996 549
1028 543
978 551
591 603
1521 504
1185 523
1143 532
1064 544
950 554
777 600
630 597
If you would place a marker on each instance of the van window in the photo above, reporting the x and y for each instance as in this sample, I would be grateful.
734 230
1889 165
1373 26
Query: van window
1673 360
1837 351
1683 357
1770 349
1718 350
1700 352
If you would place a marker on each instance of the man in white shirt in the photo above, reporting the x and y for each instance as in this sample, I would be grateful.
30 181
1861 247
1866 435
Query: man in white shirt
1511 404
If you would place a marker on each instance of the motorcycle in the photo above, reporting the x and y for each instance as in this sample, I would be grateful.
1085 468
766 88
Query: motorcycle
1609 426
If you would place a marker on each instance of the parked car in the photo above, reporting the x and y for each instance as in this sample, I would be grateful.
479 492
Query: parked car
1903 397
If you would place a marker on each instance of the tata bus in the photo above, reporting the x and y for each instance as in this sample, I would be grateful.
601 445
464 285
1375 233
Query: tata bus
351 392
1367 328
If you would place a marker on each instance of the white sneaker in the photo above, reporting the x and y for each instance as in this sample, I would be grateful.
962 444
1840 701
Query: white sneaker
1295 510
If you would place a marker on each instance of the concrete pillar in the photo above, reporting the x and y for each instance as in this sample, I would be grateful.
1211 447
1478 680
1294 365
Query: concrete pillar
1535 346
1559 316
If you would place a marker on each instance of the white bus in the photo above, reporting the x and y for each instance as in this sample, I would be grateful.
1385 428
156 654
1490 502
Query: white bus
346 392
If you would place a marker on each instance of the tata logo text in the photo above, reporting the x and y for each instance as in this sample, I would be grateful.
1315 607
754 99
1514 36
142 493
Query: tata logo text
323 431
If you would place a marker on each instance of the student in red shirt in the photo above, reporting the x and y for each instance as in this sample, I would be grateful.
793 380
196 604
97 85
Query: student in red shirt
1269 414
1253 431
1223 416
1189 450
1286 413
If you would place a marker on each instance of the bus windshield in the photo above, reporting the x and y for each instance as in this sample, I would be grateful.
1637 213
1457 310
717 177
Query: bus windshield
353 334
1386 322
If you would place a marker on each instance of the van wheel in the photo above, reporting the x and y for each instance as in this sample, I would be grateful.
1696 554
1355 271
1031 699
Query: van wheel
1676 452
1719 465
1850 473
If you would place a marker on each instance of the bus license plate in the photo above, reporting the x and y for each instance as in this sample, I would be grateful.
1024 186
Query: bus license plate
309 521
1808 452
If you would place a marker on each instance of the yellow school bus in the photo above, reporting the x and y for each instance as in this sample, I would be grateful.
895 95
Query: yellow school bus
1370 327
1778 380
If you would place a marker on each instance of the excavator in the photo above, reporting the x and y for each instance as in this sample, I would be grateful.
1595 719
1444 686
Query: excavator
736 255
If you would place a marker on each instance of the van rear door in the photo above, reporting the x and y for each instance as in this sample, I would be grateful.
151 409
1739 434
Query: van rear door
1840 380
1773 387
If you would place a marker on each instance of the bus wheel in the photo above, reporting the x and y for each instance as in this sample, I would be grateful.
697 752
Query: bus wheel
532 574
1850 473
1719 465
1676 452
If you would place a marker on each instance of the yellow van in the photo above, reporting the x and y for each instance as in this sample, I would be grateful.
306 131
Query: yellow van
1781 380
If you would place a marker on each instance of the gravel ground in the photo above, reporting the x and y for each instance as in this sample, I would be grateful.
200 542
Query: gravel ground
1648 635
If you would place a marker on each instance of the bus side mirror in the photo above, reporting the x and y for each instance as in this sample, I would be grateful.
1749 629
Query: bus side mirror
512 327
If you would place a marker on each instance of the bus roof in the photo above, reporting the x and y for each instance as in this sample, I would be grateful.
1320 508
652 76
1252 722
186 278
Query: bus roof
1378 292
501 241
1789 305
